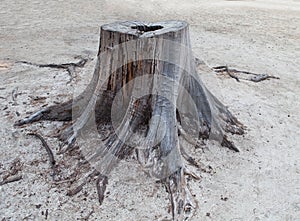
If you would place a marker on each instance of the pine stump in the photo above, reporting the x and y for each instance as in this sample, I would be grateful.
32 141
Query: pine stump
146 91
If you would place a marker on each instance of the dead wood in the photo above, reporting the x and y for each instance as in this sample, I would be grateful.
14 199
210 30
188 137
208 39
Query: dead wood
64 66
11 179
233 73
78 188
69 67
101 184
147 94
49 152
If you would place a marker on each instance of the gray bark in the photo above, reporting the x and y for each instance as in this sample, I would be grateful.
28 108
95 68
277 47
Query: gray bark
147 90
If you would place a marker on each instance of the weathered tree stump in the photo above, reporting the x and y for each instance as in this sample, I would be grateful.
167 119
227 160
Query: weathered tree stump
146 90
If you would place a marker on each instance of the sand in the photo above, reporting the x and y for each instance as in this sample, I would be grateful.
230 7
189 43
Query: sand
262 182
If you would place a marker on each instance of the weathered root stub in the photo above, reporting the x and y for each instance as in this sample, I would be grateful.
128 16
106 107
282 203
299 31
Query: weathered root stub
147 95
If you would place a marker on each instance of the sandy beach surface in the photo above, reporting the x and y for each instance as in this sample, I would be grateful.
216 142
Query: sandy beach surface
262 182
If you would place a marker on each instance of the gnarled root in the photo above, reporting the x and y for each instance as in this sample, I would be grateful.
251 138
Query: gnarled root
182 202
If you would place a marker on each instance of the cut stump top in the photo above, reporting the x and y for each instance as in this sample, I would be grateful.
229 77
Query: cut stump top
145 29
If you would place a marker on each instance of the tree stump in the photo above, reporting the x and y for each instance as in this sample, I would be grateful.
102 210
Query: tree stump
147 93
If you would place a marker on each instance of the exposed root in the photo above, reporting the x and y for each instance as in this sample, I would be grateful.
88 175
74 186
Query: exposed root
229 144
59 112
192 174
68 138
182 202
69 67
49 152
69 110
87 179
233 73
101 183
225 69
30 119
151 122
234 129
80 64
11 179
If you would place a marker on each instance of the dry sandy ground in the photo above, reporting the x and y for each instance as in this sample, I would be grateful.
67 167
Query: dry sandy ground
262 182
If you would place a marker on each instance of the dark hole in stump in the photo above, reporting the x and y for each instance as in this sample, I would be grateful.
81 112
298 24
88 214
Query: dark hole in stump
145 28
